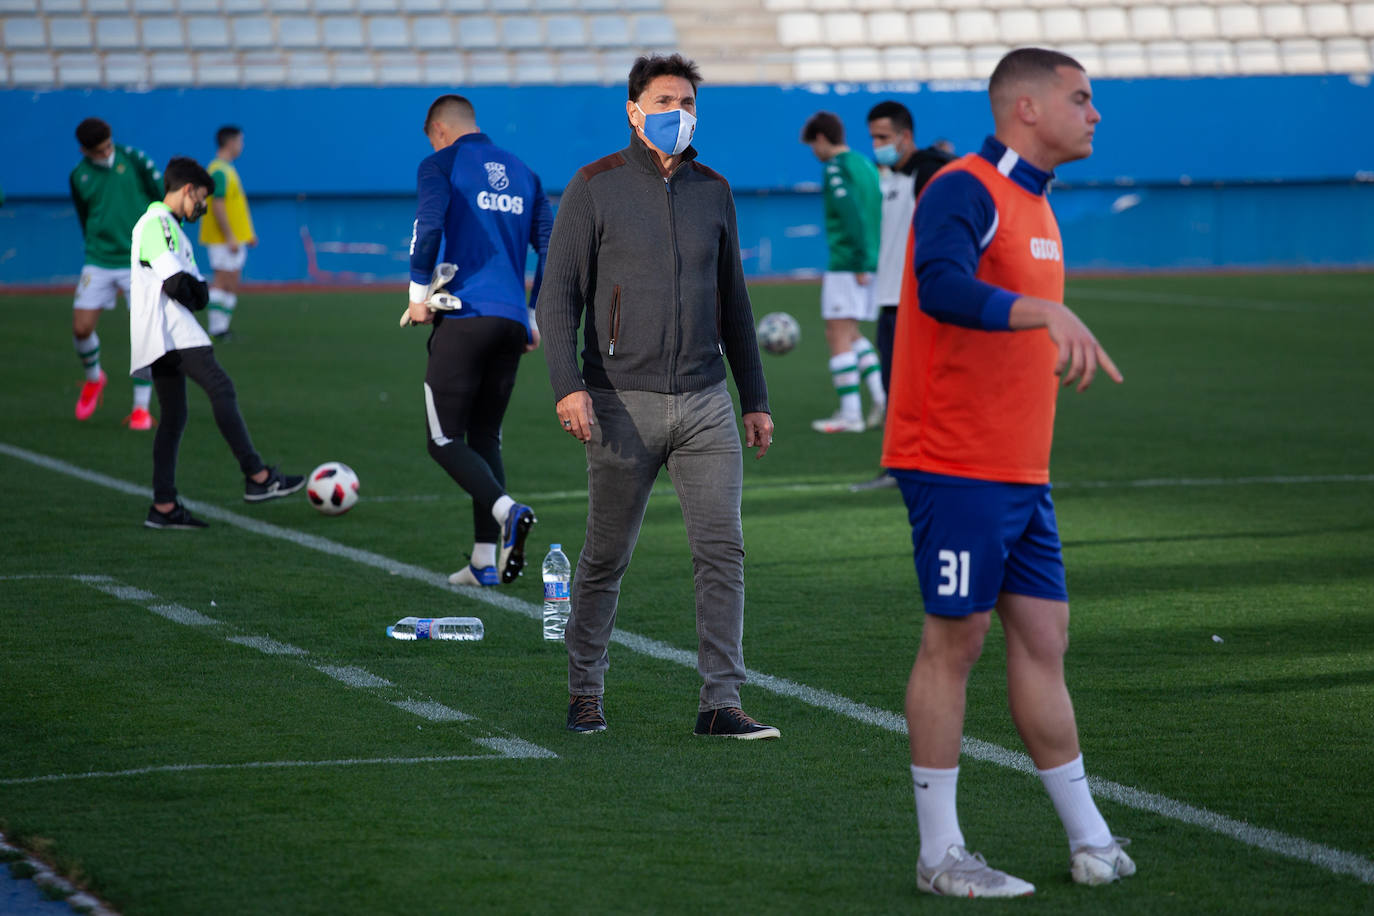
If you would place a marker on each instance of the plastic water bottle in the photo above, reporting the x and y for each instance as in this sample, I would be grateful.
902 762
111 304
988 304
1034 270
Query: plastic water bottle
557 576
464 628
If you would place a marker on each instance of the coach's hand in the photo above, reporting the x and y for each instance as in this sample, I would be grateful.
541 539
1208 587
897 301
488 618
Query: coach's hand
576 416
420 313
758 430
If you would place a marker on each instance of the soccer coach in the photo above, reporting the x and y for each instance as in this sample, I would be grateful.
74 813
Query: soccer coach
646 246
485 207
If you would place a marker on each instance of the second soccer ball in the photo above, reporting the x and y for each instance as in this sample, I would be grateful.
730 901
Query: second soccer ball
778 333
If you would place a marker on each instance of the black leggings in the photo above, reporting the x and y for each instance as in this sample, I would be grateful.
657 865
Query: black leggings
170 373
468 384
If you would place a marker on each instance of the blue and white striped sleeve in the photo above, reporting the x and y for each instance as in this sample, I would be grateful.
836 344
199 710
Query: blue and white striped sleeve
955 221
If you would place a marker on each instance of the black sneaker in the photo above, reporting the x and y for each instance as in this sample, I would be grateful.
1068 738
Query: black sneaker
585 714
179 517
277 484
731 722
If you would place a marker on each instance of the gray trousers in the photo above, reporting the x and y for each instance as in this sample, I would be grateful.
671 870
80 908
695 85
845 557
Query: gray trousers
695 436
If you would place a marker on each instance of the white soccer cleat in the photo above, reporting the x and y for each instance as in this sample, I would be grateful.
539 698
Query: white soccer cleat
1101 864
877 416
839 424
967 874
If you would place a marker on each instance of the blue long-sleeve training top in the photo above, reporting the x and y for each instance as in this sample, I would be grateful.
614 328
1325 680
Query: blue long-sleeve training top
480 207
955 221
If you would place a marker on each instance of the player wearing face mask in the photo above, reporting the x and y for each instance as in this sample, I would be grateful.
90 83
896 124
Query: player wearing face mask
110 188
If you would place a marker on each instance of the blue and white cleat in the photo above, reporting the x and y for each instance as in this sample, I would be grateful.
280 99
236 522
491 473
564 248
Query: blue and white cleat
1101 864
519 520
472 575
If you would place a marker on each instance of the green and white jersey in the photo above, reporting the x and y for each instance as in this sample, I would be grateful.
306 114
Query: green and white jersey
853 213
158 323
110 200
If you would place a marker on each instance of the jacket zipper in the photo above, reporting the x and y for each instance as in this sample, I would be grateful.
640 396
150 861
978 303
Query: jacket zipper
677 291
615 318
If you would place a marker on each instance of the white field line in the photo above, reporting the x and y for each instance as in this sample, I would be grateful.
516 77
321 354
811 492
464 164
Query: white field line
434 712
1333 860
253 765
353 676
267 646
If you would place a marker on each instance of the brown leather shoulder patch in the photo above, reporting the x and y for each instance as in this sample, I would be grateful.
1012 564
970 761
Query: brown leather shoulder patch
604 164
709 172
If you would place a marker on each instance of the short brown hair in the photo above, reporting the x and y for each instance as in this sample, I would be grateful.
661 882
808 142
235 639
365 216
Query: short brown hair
825 124
646 69
449 107
1027 63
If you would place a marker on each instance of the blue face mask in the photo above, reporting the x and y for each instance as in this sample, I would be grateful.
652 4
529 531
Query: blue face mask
669 131
885 155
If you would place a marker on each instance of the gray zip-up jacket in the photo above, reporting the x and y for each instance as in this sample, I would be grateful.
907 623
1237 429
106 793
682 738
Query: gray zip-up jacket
656 264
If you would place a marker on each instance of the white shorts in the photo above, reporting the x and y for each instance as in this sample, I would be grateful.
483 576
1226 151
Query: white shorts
97 287
221 258
843 297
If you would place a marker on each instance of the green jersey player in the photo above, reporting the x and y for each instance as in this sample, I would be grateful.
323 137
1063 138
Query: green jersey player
110 187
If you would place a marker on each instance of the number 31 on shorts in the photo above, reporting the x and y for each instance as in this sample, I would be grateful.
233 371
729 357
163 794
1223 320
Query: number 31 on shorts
953 573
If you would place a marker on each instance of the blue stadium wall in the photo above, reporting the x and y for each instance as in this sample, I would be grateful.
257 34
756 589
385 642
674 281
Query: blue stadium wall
1273 172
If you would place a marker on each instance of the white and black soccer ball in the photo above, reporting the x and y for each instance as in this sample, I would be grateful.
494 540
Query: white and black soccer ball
778 333
332 488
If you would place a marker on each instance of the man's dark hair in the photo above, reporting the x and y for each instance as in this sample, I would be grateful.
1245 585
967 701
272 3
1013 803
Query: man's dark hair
92 132
825 124
896 112
449 108
646 69
226 133
183 170
1027 63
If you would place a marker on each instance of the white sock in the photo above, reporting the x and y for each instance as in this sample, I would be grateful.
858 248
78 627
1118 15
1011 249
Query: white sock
143 393
483 555
844 371
221 309
88 351
1068 788
870 369
936 814
501 508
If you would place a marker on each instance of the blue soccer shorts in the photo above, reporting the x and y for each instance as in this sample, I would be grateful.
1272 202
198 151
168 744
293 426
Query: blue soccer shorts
975 539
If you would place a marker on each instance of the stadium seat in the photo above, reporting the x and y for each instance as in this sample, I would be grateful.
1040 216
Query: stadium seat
381 7
342 33
890 27
1086 53
831 6
1151 23
171 68
252 33
48 7
556 6
1237 21
207 33
610 32
844 28
154 7
1328 20
389 33
815 64
644 6
534 68
192 7
983 59
795 29
422 6
655 31
326 7
579 67
263 69
975 26
25 34
1124 58
1213 58
1282 20
397 69
68 33
522 32
1107 23
307 68
353 69
905 63
1063 24
566 32
217 70
434 32
78 70
465 6
32 69
1256 56
859 64
1302 55
478 32
1019 26
444 68
1348 55
932 27
1362 18
298 32
1168 58
163 34
1193 23
600 6
280 7
489 68
107 7
116 34
125 70
510 6
950 62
